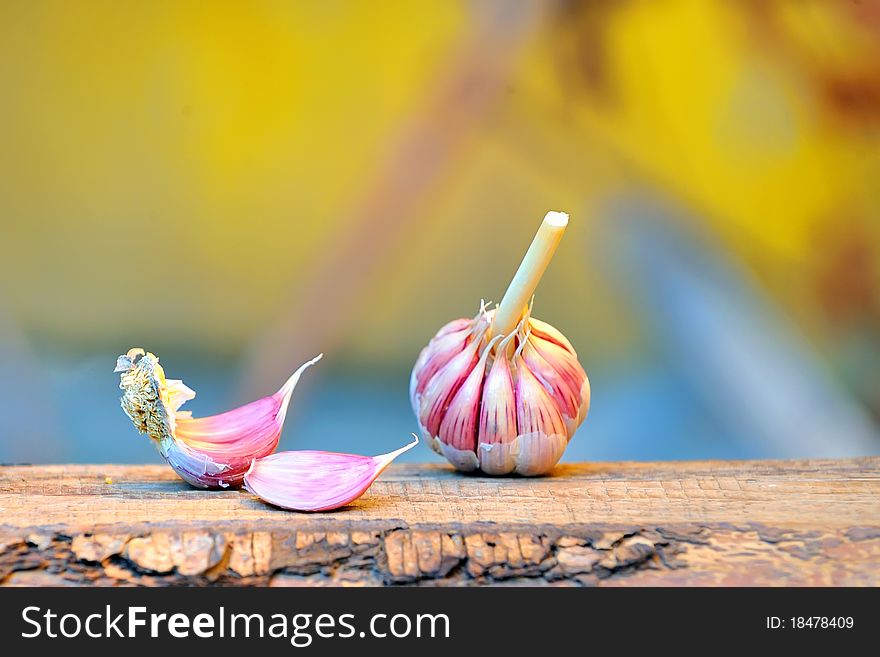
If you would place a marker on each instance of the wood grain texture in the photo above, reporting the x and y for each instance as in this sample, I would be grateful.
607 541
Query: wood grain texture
811 522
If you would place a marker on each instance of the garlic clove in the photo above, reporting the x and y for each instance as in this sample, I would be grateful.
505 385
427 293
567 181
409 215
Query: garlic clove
458 429
454 326
545 331
543 433
434 357
311 480
209 452
448 342
537 453
535 409
561 359
569 376
585 401
559 386
498 458
497 430
443 386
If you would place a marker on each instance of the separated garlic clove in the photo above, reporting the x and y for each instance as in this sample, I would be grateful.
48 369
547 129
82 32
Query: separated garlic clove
209 452
503 392
309 480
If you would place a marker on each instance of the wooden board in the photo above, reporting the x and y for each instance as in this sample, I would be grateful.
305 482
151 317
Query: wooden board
696 523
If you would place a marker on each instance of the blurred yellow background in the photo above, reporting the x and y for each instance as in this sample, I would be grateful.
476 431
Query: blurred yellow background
239 185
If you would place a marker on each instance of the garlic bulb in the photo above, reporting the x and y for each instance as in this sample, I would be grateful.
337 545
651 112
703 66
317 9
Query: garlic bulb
503 392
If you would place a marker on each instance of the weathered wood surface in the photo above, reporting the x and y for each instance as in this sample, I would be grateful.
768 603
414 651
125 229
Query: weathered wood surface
696 523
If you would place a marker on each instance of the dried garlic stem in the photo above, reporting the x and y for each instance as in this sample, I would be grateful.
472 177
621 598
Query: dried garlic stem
530 270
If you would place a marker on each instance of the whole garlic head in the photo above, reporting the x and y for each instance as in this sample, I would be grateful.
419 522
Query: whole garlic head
501 404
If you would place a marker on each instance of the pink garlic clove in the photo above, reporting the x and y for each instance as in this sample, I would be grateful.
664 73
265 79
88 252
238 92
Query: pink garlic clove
566 395
311 480
210 452
457 435
450 341
498 428
454 326
536 411
545 331
431 361
442 387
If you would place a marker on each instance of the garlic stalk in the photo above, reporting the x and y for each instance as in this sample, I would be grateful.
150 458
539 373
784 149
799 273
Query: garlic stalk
503 392
209 452
309 480
529 272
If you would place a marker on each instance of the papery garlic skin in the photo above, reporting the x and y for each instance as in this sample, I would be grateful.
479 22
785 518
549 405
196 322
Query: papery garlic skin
501 404
211 452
